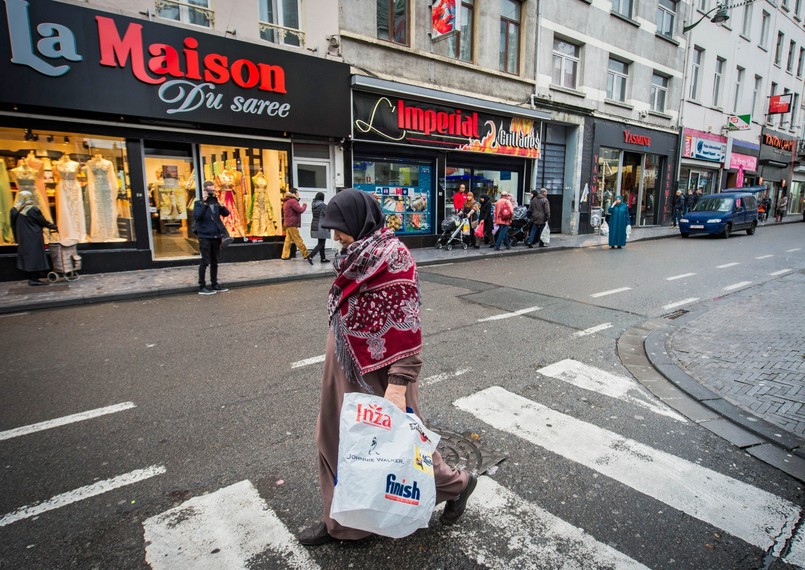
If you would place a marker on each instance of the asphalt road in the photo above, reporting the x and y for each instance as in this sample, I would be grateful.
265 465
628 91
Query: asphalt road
217 400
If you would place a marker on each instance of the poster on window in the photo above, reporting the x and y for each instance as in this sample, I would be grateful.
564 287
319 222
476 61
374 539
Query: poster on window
407 209
444 18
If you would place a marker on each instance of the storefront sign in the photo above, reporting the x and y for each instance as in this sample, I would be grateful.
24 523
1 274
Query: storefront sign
74 58
780 104
392 119
704 146
634 138
779 142
749 163
739 122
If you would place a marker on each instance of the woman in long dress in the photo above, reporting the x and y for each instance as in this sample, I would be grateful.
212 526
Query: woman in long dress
618 220
28 222
373 346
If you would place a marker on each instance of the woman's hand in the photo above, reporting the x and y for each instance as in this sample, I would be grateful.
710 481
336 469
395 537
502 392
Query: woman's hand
396 395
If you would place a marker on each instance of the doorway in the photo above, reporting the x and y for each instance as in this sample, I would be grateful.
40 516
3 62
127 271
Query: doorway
311 177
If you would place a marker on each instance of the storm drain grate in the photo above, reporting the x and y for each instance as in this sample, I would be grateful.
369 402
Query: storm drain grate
675 314
465 451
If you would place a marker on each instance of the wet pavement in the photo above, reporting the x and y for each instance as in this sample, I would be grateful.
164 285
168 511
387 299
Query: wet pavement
745 384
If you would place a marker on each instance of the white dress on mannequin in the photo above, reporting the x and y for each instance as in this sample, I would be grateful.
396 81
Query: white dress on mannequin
70 205
102 185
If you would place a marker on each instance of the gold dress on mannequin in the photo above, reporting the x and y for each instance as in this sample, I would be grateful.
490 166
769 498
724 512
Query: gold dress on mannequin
233 222
102 185
69 202
40 193
262 223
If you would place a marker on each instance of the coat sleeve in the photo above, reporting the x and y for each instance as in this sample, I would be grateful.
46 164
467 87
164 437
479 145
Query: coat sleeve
36 215
297 207
224 211
198 210
405 370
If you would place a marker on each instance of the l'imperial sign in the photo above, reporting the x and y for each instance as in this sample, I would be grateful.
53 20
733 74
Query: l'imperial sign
197 76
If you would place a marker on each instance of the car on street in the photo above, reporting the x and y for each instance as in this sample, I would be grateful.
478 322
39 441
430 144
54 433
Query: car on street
721 214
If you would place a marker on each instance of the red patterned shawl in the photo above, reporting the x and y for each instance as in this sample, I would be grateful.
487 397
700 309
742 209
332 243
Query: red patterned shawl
374 305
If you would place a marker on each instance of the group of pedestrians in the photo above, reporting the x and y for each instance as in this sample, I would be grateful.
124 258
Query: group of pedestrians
684 203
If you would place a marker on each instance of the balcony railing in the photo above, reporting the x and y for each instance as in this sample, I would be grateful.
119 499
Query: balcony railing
186 12
281 35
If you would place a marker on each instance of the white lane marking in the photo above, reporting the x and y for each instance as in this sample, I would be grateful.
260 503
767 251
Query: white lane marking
734 263
445 376
764 256
82 493
224 529
13 315
610 292
793 250
609 384
439 265
781 272
509 315
679 303
751 514
796 549
679 276
532 534
306 361
593 330
737 285
25 430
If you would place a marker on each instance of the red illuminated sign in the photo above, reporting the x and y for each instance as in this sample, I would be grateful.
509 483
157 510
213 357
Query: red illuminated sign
779 104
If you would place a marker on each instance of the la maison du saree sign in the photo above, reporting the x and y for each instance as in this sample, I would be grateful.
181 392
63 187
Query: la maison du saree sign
62 56
386 118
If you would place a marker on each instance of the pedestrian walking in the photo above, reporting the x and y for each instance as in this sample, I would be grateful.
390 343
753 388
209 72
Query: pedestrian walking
27 223
618 220
374 346
678 206
291 222
539 209
318 207
485 216
503 218
782 207
210 229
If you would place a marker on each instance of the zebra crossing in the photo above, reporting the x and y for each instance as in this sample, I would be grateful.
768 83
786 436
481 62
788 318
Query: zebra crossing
235 527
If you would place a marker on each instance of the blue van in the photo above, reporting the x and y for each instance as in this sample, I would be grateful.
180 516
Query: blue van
721 214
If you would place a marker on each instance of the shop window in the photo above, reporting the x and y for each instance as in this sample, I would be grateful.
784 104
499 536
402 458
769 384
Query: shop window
392 21
608 168
279 22
404 191
510 36
79 182
196 12
480 181
251 183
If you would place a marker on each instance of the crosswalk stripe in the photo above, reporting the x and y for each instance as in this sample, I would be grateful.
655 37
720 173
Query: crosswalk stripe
306 361
670 306
516 313
749 513
733 264
535 537
593 330
737 285
436 378
606 383
224 529
65 420
682 276
764 256
610 292
796 548
781 272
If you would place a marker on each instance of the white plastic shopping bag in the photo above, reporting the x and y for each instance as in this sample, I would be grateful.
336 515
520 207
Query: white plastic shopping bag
604 228
628 231
545 236
384 482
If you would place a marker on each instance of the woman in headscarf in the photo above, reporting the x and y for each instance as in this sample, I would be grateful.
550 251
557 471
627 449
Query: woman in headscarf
618 220
373 346
485 216
318 207
27 222
470 213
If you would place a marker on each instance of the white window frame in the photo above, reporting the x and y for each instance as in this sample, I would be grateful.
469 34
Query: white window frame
746 29
566 59
281 30
756 93
665 13
621 77
739 79
718 77
659 90
801 62
695 72
778 51
792 48
184 11
765 24
620 5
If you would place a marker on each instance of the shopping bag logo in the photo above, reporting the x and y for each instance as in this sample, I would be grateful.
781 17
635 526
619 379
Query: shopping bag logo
401 492
373 415
423 461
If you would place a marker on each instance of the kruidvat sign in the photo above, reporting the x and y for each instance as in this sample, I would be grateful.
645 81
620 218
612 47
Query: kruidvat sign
70 57
395 120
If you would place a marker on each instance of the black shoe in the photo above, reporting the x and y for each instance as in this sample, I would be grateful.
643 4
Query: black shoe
529 245
325 260
455 508
543 245
218 288
309 259
36 283
315 535
205 291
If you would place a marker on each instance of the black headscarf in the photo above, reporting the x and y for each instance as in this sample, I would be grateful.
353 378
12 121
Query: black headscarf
354 213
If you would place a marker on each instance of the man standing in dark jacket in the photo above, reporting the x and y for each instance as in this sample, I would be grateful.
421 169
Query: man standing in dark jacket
678 204
539 209
210 229
485 216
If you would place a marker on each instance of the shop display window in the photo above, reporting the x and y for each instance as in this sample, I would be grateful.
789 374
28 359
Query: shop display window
171 194
80 182
404 191
252 183
479 182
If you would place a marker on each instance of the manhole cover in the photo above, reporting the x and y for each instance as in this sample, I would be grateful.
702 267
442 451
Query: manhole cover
676 314
463 451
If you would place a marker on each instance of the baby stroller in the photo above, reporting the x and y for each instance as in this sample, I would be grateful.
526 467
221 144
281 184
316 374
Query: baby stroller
520 226
65 259
451 234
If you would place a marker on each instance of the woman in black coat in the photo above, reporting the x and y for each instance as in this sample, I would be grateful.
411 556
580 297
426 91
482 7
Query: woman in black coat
27 222
316 231
485 216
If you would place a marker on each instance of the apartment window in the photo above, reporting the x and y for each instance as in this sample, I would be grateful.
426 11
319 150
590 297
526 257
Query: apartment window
756 94
770 118
617 74
622 7
510 36
778 52
798 9
783 121
764 30
695 72
801 62
785 4
746 30
739 80
279 22
717 79
196 12
392 21
792 48
460 44
703 5
666 12
659 92
794 109
565 64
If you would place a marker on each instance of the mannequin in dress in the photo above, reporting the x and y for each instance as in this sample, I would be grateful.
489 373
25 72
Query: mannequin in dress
40 195
262 223
102 185
69 202
6 203
227 180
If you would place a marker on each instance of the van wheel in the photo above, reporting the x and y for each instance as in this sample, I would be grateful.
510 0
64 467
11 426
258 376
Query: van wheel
727 230
751 230
684 235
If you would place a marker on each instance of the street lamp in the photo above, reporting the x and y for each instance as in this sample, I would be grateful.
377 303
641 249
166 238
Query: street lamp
721 15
